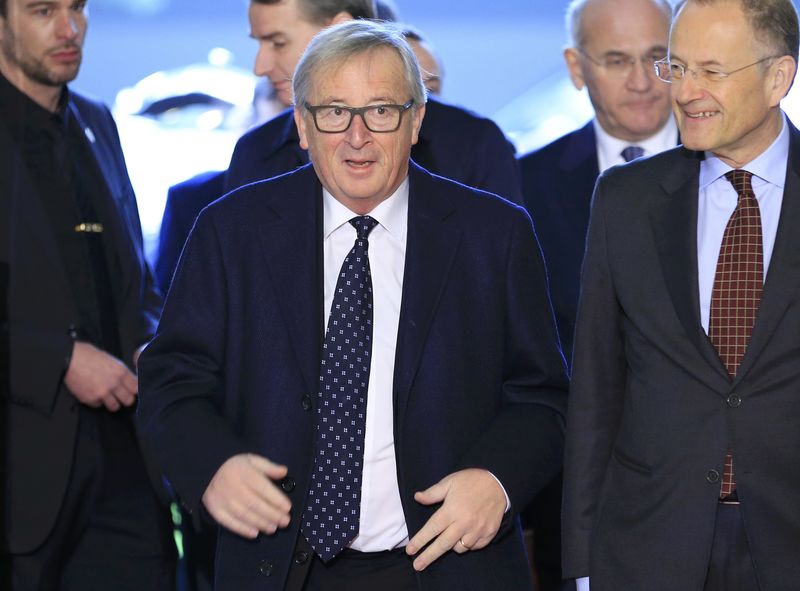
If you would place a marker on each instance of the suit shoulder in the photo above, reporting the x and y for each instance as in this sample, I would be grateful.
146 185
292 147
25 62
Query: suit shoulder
445 116
268 136
286 188
471 201
92 111
87 103
634 185
548 153
651 168
197 191
575 146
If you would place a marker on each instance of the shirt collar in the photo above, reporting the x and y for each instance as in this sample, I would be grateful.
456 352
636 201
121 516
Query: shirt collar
611 147
28 113
769 166
391 213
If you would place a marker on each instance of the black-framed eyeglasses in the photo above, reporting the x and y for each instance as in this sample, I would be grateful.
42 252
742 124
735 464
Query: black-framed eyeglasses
620 65
377 118
669 71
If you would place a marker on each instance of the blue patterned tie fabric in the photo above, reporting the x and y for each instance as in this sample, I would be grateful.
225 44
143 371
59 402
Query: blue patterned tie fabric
330 520
632 153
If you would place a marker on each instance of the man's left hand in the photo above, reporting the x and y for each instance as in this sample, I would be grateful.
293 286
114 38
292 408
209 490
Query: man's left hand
473 503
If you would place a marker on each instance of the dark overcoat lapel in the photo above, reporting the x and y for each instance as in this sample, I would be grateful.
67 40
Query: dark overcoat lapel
292 226
430 249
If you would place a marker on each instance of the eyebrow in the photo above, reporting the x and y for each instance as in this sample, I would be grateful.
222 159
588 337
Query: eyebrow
653 49
701 64
267 36
40 3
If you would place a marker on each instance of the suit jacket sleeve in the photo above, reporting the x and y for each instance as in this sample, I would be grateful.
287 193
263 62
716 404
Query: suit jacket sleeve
171 237
528 429
596 394
180 372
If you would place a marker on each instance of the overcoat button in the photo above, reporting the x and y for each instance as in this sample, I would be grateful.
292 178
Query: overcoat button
265 567
287 484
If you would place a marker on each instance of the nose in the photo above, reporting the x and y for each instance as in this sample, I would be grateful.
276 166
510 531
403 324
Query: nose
641 76
357 134
67 26
685 90
265 60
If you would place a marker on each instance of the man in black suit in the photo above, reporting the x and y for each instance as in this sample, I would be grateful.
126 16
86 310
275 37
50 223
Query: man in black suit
78 304
613 44
682 464
426 414
453 142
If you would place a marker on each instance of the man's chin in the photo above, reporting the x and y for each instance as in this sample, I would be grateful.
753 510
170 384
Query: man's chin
285 97
55 77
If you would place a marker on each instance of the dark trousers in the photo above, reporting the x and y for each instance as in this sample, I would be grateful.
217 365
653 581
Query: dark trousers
731 565
351 571
111 532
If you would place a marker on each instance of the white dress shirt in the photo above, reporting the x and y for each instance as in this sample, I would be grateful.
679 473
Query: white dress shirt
717 200
382 523
609 148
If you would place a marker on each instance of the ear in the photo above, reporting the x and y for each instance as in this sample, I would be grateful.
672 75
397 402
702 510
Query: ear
341 17
573 59
783 71
419 115
300 122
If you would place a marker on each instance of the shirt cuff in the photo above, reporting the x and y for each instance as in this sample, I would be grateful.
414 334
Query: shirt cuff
508 501
582 584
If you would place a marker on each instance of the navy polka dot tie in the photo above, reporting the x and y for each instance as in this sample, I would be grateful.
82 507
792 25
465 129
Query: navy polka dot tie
330 520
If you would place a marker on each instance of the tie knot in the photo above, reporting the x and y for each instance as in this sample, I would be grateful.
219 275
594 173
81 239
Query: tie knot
740 179
632 153
363 225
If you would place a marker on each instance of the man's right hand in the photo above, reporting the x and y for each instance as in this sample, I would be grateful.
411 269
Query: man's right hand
242 497
98 379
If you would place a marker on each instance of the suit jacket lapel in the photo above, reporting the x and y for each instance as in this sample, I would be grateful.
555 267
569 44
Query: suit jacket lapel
675 227
430 249
293 227
581 153
580 172
783 275
111 205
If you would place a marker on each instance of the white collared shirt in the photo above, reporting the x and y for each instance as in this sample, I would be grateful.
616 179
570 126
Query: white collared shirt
382 524
717 201
609 148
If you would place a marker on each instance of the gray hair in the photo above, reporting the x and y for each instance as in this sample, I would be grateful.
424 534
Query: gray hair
334 45
576 33
320 12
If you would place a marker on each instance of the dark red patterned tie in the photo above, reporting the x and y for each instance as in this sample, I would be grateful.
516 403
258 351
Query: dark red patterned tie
738 283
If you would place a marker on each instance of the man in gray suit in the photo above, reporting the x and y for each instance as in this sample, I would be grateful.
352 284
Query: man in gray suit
682 466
